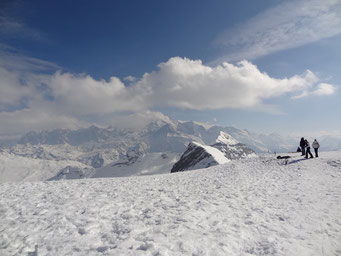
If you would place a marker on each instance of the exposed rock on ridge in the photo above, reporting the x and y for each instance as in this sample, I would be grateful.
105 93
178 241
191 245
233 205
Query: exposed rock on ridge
199 156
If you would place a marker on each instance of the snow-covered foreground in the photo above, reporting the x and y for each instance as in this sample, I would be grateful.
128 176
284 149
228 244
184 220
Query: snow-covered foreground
257 206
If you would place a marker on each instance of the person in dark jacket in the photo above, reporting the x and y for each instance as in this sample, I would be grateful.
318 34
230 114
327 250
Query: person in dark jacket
302 145
308 149
316 146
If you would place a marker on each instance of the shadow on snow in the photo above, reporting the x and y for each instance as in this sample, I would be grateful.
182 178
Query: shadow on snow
296 161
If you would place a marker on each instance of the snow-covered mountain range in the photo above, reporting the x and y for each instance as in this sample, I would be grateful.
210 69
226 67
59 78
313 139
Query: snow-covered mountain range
111 152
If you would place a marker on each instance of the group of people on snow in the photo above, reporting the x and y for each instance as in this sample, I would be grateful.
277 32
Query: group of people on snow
305 147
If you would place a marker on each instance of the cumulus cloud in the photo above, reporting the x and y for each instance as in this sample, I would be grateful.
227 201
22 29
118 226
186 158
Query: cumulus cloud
288 25
82 95
190 84
35 99
130 79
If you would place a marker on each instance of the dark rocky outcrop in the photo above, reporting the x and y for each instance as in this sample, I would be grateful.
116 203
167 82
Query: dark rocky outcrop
199 156
193 155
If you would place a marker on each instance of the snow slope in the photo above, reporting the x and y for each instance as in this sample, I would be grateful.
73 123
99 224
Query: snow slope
149 164
256 206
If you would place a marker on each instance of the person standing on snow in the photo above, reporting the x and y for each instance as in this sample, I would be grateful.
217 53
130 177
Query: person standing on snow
316 146
302 145
308 149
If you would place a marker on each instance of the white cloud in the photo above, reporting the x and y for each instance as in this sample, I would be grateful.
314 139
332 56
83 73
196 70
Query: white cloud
324 89
68 100
301 95
83 95
321 89
11 91
184 83
130 79
288 25
21 121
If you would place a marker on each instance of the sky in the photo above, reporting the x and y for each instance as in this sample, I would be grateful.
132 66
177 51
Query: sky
269 66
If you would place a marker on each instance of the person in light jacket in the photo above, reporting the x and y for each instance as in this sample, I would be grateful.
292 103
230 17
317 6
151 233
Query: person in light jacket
316 146
308 150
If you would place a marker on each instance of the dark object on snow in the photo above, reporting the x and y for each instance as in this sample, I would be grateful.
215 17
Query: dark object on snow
298 149
283 157
285 161
302 145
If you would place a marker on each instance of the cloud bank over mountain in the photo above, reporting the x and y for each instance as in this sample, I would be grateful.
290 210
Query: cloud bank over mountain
30 99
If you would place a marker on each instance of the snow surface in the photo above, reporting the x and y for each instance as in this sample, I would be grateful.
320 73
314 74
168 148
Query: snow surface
256 206
149 164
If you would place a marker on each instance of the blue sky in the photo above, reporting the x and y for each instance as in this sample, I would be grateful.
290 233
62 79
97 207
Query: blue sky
265 65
